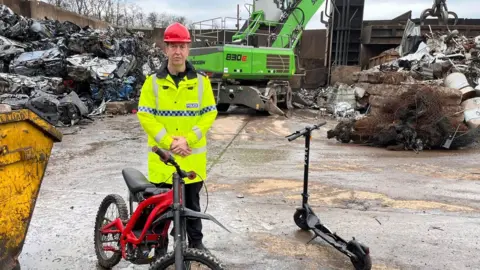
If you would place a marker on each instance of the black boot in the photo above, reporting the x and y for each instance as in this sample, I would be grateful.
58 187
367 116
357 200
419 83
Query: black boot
198 245
163 248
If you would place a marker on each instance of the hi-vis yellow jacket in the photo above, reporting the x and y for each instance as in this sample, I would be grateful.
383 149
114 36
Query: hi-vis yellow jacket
165 111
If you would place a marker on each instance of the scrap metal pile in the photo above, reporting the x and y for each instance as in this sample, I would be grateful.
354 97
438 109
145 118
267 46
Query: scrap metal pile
66 73
429 98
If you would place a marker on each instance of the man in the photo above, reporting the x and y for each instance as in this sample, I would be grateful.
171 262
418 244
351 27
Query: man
176 109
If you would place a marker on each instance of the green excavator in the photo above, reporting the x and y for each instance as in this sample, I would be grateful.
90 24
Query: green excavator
255 67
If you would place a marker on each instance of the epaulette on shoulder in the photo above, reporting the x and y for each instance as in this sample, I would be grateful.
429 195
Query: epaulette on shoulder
202 73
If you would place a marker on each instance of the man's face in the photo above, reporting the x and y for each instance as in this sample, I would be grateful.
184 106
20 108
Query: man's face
177 53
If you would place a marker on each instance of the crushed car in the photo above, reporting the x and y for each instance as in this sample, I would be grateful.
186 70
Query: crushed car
66 72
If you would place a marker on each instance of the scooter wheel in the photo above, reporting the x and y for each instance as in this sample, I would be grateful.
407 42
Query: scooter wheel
300 219
363 260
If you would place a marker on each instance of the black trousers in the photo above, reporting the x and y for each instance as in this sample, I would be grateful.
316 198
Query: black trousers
192 201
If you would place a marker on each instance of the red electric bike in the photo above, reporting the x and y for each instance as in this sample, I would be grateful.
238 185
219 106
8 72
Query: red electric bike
142 238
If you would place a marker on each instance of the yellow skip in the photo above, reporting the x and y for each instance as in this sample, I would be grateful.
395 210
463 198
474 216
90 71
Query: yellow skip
26 141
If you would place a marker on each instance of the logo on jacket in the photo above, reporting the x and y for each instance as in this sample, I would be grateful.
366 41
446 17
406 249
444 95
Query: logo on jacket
192 105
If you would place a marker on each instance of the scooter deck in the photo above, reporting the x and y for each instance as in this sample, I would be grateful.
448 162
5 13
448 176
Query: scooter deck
334 241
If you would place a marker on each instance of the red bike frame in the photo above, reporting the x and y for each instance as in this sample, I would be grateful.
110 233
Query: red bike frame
161 201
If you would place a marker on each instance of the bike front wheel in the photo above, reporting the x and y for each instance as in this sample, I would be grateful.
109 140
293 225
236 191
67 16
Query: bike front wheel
194 259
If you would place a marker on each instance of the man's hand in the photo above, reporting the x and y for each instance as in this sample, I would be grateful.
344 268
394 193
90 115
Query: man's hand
180 146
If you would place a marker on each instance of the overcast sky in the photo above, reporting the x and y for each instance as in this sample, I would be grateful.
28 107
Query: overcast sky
197 10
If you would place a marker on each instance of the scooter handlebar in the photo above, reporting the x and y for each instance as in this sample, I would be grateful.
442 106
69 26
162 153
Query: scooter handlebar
304 131
293 136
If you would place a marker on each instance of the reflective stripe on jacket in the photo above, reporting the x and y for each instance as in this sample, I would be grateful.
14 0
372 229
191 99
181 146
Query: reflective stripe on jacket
165 111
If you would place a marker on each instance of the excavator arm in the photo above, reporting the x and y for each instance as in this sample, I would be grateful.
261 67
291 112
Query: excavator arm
285 21
251 72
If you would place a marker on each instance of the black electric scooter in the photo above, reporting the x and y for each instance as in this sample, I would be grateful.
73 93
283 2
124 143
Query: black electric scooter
306 219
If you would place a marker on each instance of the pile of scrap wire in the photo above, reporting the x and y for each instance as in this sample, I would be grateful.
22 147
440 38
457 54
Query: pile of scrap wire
415 120
427 98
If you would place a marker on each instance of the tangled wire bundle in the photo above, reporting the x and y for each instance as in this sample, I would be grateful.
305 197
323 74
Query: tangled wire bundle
414 120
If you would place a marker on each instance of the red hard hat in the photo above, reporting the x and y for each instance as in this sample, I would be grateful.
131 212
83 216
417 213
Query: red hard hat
176 32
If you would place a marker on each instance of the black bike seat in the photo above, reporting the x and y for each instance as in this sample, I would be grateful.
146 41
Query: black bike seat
135 180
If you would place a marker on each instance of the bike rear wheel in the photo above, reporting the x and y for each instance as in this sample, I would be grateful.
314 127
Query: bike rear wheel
194 259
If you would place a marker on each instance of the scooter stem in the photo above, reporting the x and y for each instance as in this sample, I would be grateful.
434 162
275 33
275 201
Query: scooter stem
305 168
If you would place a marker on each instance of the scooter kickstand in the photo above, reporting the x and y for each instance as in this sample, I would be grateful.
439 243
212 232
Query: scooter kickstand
312 239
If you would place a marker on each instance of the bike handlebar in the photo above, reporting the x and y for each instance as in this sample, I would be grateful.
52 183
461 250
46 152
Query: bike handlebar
164 156
304 131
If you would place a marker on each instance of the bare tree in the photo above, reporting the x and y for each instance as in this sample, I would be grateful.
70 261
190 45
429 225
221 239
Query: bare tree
179 19
98 8
108 14
119 13
167 19
140 19
152 19
162 20
80 6
133 10
59 3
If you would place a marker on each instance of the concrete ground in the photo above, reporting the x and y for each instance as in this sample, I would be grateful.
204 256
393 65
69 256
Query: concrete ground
414 211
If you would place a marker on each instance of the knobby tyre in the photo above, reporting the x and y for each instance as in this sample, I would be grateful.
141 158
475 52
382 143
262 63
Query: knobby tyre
122 213
191 255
